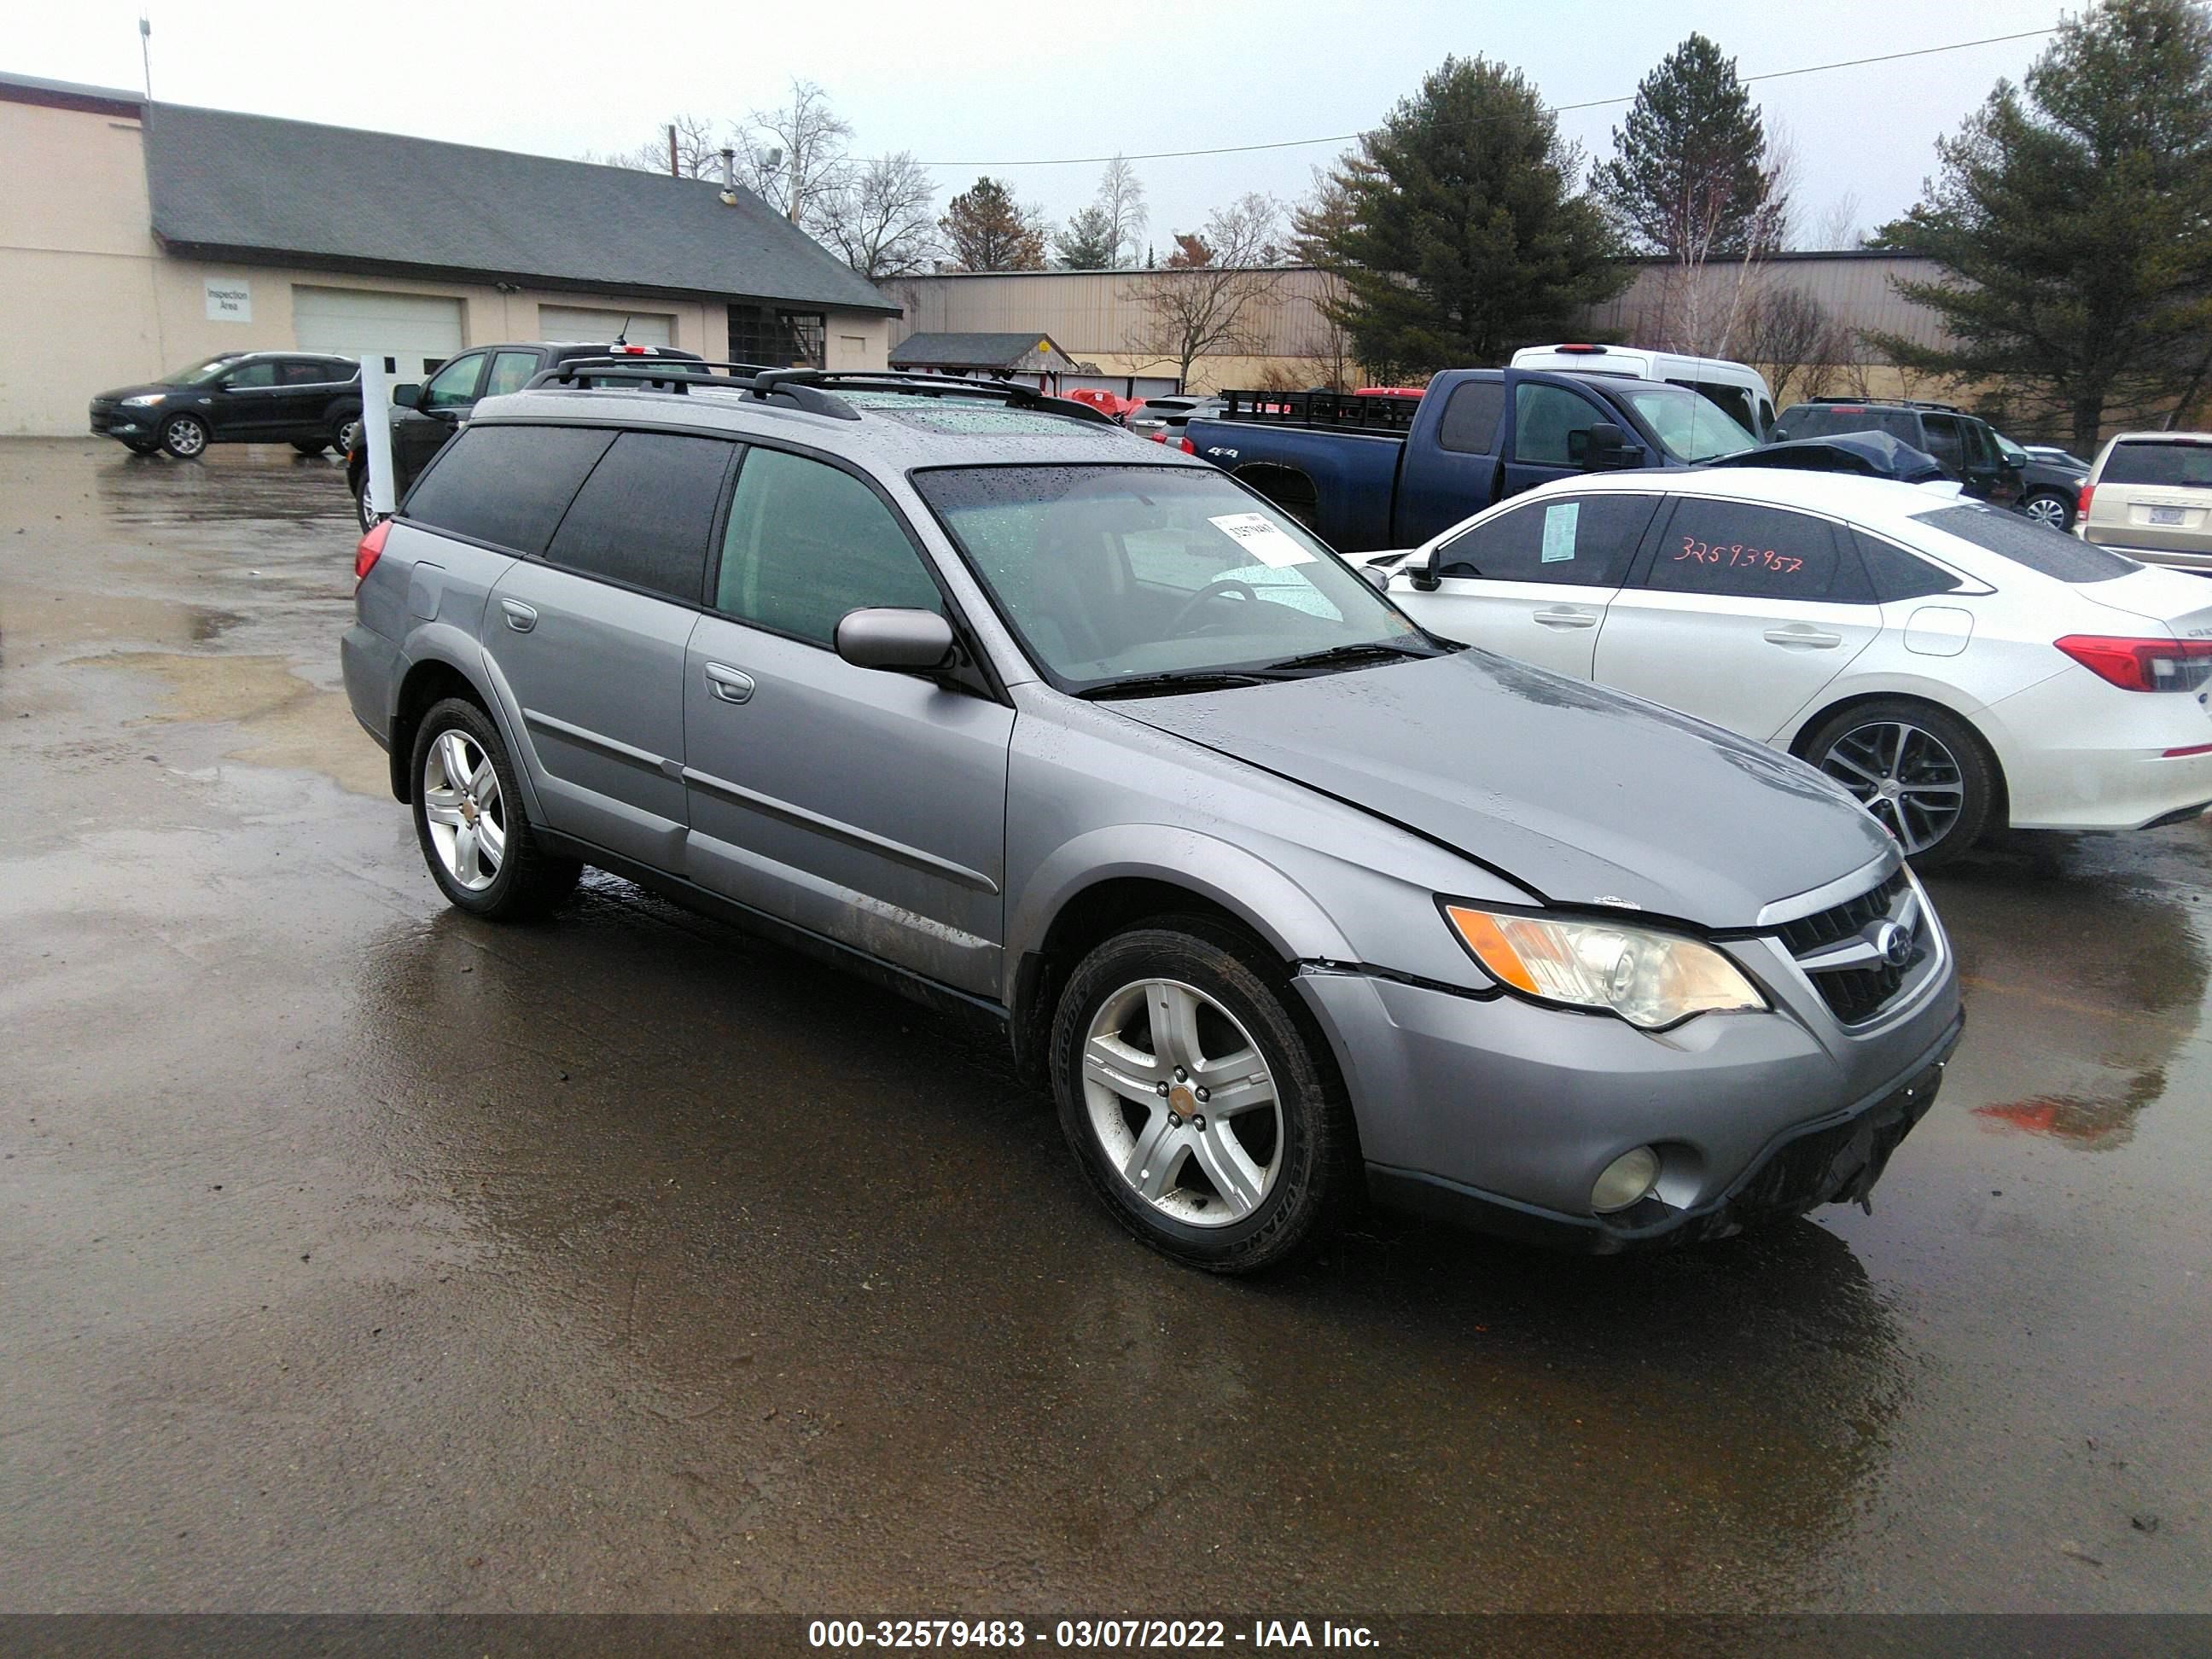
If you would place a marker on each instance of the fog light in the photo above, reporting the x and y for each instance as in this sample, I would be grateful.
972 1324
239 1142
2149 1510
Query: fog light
1626 1179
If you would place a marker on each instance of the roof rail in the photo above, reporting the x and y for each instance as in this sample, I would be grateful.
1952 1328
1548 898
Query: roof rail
1892 403
927 385
809 389
652 371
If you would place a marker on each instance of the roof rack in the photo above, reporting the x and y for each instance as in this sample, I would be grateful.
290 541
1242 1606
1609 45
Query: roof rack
1893 402
803 388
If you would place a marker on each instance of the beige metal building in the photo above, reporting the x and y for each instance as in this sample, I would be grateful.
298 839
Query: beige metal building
1284 339
138 237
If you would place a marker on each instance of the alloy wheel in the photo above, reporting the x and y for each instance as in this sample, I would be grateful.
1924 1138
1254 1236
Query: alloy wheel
2045 510
1904 775
1182 1103
186 436
347 435
466 814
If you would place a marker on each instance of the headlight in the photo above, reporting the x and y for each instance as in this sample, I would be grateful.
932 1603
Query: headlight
1649 979
143 400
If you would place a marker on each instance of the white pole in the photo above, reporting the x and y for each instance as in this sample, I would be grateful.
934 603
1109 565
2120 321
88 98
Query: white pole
376 433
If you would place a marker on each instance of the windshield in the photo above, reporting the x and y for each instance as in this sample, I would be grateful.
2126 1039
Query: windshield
1114 574
199 374
1689 426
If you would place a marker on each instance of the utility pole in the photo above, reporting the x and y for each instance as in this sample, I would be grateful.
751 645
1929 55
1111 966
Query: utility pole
146 52
672 173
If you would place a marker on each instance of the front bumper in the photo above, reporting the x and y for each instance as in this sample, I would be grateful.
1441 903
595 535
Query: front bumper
114 421
1503 1112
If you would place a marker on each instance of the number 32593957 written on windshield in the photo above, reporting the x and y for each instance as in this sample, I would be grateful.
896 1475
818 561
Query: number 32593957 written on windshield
1736 556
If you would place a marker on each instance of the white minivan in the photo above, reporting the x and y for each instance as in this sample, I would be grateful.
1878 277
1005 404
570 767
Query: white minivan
1737 389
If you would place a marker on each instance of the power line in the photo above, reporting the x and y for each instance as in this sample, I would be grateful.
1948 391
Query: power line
1559 109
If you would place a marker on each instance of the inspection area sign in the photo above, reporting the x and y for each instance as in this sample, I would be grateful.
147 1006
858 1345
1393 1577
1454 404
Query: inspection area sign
229 299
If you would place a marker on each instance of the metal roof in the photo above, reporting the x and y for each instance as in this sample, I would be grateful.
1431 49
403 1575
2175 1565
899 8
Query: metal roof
256 188
1029 351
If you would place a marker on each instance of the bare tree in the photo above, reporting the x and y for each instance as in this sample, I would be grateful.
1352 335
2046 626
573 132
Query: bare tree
883 218
1790 337
1841 226
794 158
1203 303
1121 199
698 150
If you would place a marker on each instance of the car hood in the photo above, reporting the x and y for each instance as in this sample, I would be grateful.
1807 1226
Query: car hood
1583 795
122 391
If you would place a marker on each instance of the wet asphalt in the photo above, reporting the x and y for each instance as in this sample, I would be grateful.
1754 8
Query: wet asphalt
357 1255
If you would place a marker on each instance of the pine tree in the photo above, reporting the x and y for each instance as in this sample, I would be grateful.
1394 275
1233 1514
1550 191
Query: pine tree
1463 235
1690 173
1089 243
2073 220
989 230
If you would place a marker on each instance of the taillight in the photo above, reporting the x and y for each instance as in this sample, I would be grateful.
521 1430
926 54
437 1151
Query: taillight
2142 665
2081 505
1159 435
1188 448
371 549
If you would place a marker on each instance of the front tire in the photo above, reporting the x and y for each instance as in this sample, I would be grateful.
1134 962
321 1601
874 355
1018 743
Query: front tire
345 435
1204 1112
309 447
184 436
2049 508
1924 774
137 449
480 846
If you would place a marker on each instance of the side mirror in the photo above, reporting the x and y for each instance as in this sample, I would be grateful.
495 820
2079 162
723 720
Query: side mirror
903 641
1605 448
407 396
1377 578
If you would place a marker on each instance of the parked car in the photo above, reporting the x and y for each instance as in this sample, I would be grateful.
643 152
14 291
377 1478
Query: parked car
1376 472
1964 446
1955 666
1098 745
424 415
1163 419
1739 390
2053 453
305 399
2151 493
2050 481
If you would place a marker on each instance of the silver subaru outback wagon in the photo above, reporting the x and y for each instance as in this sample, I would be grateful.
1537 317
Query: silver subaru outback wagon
1291 902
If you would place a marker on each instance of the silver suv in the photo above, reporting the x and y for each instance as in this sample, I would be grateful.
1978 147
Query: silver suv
1290 900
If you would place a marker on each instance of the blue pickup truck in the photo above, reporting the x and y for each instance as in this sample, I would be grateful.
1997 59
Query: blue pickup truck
1369 471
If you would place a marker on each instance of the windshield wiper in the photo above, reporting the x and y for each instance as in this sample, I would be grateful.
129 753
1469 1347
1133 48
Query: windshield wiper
1177 679
1350 656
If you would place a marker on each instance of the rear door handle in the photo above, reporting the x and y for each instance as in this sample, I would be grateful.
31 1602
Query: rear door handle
1565 619
728 685
519 616
1798 637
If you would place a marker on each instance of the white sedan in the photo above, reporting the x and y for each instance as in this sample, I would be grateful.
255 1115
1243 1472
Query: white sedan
1956 667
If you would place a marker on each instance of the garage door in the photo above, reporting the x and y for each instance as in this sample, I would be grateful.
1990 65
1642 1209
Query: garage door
412 332
599 327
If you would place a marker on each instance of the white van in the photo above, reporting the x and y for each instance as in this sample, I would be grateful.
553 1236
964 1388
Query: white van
1737 389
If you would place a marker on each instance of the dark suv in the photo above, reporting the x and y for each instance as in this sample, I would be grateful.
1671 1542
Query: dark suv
305 399
1963 445
423 416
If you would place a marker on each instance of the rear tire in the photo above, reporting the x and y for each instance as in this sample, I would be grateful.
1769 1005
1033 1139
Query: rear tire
1233 1151
137 449
479 844
363 508
1924 774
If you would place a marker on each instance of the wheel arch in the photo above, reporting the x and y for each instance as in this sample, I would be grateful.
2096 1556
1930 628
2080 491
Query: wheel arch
1973 718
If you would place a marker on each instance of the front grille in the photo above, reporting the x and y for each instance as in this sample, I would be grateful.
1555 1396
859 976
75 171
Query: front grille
1854 994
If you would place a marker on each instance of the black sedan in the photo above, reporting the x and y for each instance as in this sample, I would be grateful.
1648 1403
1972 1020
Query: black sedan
310 402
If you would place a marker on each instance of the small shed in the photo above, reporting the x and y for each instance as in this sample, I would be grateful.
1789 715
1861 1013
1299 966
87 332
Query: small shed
1030 358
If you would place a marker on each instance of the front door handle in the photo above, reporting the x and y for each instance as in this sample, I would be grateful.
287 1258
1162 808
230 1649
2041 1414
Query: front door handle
728 685
1565 619
1798 637
519 616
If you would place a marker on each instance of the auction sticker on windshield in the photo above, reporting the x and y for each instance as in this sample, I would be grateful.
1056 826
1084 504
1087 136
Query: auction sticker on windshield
1263 540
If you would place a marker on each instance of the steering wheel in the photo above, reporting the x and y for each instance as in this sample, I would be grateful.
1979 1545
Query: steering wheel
1206 595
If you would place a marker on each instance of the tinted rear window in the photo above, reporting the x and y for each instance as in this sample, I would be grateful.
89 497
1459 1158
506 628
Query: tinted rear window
2181 466
2041 549
1826 420
1470 422
508 485
1896 573
645 515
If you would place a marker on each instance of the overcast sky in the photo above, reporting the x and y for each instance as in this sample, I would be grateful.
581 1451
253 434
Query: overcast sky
980 85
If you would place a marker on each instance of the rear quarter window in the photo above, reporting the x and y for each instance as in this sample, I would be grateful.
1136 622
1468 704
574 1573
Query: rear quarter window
1895 574
2048 552
506 485
646 513
2178 467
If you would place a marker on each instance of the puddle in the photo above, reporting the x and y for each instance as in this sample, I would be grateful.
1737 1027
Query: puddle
32 617
285 721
